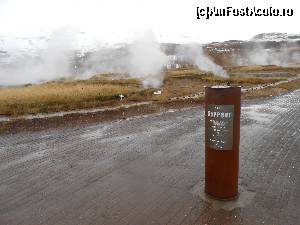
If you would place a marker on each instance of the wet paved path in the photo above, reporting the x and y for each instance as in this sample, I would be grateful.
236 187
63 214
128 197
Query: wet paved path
142 170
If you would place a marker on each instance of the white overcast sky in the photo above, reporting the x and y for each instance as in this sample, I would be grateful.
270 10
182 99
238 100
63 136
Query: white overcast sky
171 20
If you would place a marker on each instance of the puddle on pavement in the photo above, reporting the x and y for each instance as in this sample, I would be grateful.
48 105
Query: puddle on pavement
95 133
261 113
259 116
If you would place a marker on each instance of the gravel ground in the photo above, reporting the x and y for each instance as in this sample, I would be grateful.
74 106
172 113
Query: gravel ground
141 170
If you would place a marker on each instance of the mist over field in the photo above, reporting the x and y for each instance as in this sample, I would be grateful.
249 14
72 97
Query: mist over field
194 53
60 56
51 62
141 58
261 55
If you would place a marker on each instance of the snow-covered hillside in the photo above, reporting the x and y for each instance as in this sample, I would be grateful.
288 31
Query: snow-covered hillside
276 37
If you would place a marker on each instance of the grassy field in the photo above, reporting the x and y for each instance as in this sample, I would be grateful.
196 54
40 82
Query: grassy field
101 90
63 95
262 68
273 91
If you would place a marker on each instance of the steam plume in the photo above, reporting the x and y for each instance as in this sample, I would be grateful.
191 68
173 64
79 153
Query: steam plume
260 54
146 60
52 62
143 58
194 53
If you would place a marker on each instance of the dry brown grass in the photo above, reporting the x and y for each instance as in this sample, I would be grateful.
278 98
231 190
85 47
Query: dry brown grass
186 73
198 75
273 91
62 95
248 80
262 68
70 95
186 82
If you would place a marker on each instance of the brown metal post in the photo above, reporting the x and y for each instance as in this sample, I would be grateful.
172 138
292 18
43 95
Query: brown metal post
222 139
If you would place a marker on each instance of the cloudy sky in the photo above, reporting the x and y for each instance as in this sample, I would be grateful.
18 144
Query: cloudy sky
116 20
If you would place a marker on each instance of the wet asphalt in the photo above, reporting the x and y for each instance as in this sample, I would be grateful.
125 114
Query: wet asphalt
142 170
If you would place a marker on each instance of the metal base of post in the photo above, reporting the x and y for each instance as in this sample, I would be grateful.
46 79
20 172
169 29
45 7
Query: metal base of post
222 199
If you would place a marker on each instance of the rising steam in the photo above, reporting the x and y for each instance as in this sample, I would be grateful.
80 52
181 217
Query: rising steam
49 63
146 60
194 53
142 59
260 54
60 59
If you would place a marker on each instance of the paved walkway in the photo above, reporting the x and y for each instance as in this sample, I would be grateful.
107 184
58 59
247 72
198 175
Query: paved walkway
144 170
